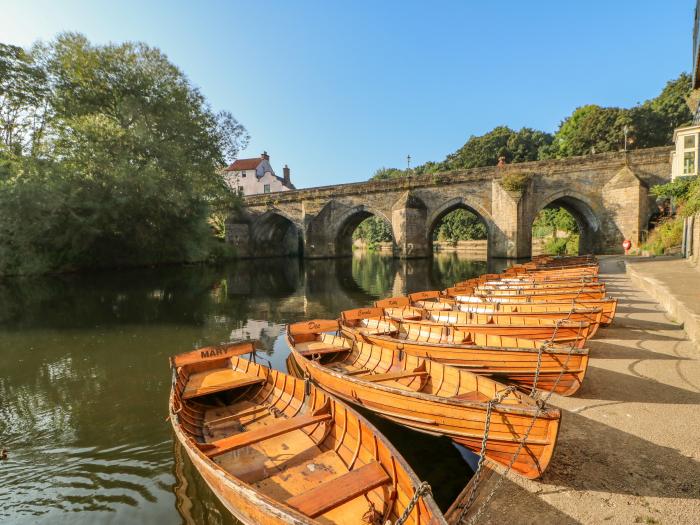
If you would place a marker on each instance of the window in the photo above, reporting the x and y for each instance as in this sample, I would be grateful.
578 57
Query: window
243 174
266 188
689 141
240 190
689 163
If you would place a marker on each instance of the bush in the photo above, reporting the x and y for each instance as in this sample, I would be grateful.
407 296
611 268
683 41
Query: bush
667 235
515 181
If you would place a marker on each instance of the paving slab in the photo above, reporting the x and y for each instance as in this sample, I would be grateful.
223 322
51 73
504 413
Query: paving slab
629 444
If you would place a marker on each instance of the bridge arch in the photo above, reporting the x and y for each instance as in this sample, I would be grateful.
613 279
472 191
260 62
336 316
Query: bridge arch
276 234
439 213
348 221
581 208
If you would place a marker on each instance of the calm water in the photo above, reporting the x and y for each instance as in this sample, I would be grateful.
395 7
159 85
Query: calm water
84 378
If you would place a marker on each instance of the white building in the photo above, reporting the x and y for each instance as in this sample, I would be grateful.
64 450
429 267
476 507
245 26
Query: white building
252 176
685 156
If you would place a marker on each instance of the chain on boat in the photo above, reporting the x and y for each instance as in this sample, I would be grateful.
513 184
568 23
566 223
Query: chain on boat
422 490
541 404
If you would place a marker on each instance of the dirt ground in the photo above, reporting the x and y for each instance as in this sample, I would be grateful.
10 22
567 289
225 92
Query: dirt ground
629 444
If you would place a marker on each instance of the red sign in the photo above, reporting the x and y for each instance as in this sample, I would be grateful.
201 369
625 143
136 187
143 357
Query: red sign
627 244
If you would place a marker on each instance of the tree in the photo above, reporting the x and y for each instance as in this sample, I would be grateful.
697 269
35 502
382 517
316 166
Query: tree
485 150
599 129
129 166
373 230
460 225
389 173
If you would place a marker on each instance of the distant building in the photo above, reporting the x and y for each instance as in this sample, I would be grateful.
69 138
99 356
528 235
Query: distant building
253 176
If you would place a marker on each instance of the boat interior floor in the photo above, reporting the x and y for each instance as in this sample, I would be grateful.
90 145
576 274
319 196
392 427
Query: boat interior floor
291 468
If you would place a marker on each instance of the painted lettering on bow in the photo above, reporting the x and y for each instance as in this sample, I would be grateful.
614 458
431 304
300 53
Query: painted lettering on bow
212 352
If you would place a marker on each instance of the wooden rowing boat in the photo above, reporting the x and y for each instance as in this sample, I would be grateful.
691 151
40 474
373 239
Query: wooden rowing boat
427 396
473 314
525 303
524 286
576 333
277 451
507 359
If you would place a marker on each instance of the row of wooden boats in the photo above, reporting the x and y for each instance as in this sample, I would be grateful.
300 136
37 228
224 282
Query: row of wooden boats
462 363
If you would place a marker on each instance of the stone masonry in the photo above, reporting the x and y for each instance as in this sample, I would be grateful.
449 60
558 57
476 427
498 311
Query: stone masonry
608 195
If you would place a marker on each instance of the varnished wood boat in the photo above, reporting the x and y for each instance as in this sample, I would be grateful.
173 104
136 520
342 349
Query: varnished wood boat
544 296
426 396
526 303
277 451
472 314
507 359
576 333
558 285
444 301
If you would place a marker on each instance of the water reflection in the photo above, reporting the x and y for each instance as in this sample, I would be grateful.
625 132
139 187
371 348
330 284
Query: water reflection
84 380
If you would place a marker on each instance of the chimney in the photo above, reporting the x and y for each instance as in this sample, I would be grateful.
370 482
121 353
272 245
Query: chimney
265 156
286 177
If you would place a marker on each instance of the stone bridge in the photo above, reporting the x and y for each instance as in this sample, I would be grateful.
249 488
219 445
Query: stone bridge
608 195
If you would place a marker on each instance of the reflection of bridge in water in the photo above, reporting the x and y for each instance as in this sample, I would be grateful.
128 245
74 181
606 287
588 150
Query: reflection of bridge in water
281 290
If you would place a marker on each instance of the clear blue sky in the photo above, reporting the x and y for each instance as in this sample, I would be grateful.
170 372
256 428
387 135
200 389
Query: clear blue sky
337 90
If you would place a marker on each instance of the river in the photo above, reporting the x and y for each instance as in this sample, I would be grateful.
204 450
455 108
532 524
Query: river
84 377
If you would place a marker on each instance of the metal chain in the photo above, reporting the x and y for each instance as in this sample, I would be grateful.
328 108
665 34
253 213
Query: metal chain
497 398
422 490
541 404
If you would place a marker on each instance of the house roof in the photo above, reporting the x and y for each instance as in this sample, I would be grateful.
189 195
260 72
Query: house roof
245 164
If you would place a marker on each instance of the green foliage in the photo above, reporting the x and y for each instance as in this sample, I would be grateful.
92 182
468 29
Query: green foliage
122 167
599 129
515 181
550 220
485 150
372 231
667 235
685 191
389 173
460 225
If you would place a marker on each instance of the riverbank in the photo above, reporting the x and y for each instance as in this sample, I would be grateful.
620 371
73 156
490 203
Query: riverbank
629 445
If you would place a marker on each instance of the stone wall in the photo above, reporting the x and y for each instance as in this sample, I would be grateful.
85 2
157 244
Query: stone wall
695 255
607 194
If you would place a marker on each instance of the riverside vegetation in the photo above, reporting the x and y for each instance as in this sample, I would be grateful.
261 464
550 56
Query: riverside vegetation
589 129
108 157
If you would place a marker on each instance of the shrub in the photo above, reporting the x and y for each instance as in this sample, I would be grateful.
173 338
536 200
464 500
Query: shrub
667 235
515 181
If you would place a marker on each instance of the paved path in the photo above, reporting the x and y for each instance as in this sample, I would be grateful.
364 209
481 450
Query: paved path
629 445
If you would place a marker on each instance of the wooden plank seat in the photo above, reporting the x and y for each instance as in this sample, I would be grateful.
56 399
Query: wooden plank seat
472 396
391 376
319 348
244 439
333 493
217 380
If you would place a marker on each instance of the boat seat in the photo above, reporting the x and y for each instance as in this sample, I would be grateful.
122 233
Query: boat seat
244 439
471 396
331 494
319 347
217 380
390 376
